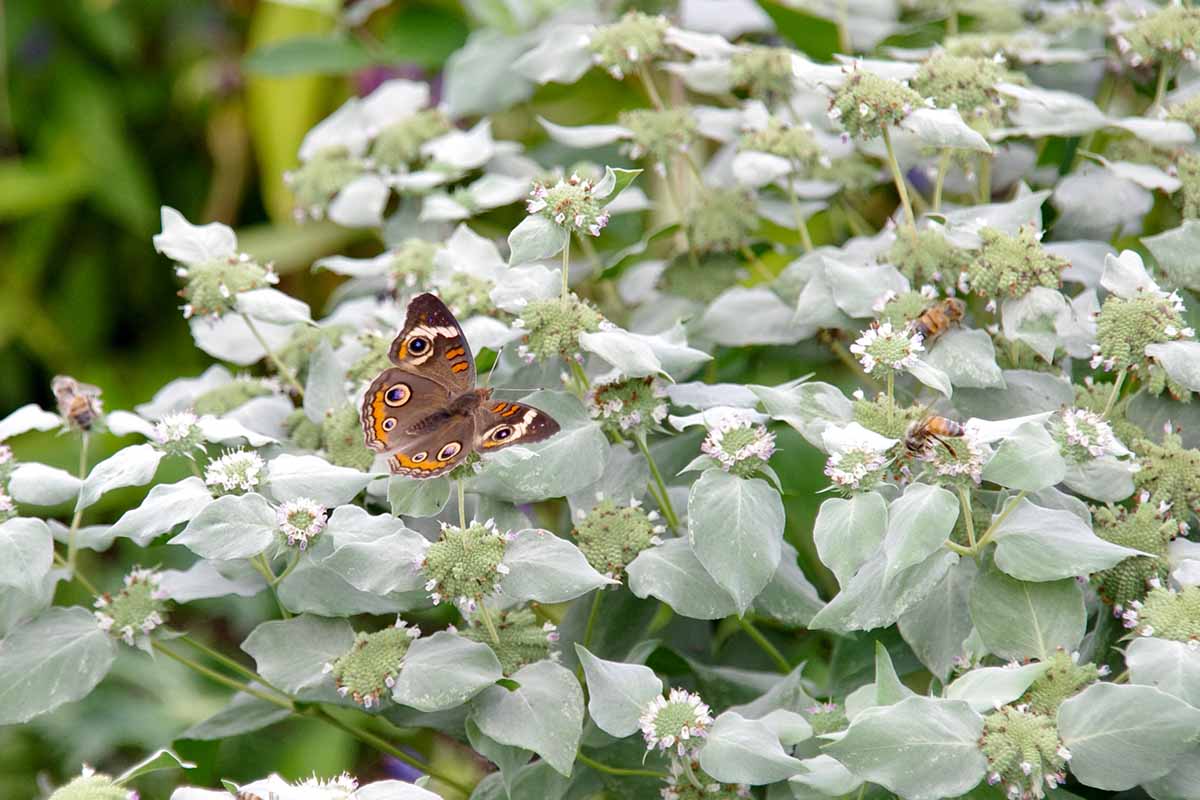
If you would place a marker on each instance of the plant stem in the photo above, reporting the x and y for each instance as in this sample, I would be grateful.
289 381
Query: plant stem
691 776
580 376
566 266
1122 678
987 535
985 178
762 641
664 498
462 504
801 223
228 662
280 367
592 616
1160 88
83 581
224 680
259 562
288 569
858 225
596 765
1116 391
901 185
486 616
651 89
964 499
958 548
939 182
891 391
759 268
73 533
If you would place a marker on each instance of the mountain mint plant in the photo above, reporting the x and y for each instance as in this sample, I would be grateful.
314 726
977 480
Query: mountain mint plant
878 460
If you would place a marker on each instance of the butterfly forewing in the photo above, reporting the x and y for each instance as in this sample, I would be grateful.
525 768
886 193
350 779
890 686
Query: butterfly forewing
432 343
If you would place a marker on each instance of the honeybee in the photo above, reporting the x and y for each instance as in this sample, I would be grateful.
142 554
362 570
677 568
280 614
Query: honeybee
78 403
932 427
938 318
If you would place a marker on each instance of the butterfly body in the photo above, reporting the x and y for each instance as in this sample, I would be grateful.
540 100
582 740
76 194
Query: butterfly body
426 411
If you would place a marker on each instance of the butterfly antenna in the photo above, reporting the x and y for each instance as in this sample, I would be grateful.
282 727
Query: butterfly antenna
488 380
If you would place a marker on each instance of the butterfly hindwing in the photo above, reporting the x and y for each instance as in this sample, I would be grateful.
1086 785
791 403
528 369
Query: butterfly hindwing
437 452
499 423
432 344
394 403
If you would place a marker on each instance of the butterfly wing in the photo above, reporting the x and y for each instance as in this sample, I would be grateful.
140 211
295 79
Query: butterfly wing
432 344
397 402
436 451
499 424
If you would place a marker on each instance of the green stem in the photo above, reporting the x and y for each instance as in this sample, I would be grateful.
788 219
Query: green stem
964 499
73 533
1122 678
801 223
686 761
891 392
580 376
939 182
226 661
987 535
762 641
566 267
596 765
288 569
664 498
280 367
486 616
224 680
194 467
593 615
259 562
1160 88
985 178
858 224
756 265
651 89
1116 391
462 504
901 184
958 548
76 575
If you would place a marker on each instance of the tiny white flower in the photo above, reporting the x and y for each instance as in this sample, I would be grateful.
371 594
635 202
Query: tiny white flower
236 471
300 521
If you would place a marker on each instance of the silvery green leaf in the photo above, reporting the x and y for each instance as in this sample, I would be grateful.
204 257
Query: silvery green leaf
870 601
290 477
155 762
807 407
167 505
272 305
1160 132
1123 735
921 748
789 597
57 658
1086 260
544 715
743 316
122 423
131 466
944 128
739 750
1046 112
376 267
1106 479
536 238
697 394
394 790
587 136
567 462
754 169
28 418
1169 666
547 569
986 688
291 653
1175 250
1025 392
1181 783
418 498
520 286
508 759
40 485
1019 619
228 338
317 589
670 348
816 307
968 358
617 693
186 243
374 553
1042 544
345 127
931 376
1125 275
444 671
560 58
936 627
461 150
1095 203
624 480
824 776
87 537
207 579
179 394
705 75
1027 459
623 350
1181 360
725 18
1147 176
325 389
963 224
18 606
848 531
1035 319
888 688
735 526
26 553
673 574
228 429
233 526
244 714
857 288
614 182
918 524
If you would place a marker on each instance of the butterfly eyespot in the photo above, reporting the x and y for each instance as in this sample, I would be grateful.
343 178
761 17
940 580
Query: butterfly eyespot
397 395
419 457
449 451
501 433
419 345
389 423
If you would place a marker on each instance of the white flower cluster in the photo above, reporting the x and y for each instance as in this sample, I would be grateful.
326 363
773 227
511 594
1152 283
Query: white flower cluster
300 521
883 345
675 721
735 439
1088 430
235 472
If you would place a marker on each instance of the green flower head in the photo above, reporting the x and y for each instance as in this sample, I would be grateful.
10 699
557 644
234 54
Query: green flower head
1009 266
136 610
927 258
865 104
179 434
1023 752
571 203
375 358
1170 33
315 182
399 145
884 416
467 295
1169 471
412 264
622 47
1148 528
1187 111
901 309
826 718
368 670
227 397
610 536
302 431
796 143
1083 435
297 353
680 787
211 287
766 73
631 406
91 785
677 722
1167 614
967 84
659 134
465 564
342 438
721 219
1065 678
552 328
523 638
1126 325
1187 167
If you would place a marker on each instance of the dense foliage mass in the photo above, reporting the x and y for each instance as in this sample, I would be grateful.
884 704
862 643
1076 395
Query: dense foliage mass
997 596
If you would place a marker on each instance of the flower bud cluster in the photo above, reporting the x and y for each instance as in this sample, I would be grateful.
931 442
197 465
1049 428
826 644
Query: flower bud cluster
676 722
680 787
883 349
766 73
315 182
966 84
926 258
570 203
179 434
721 219
398 146
1024 754
465 564
740 445
91 785
552 328
865 104
1172 32
610 535
412 265
796 143
623 46
134 611
1127 324
369 669
629 407
211 287
1148 527
1009 266
659 134
222 399
1064 679
522 638
1167 614
1170 472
